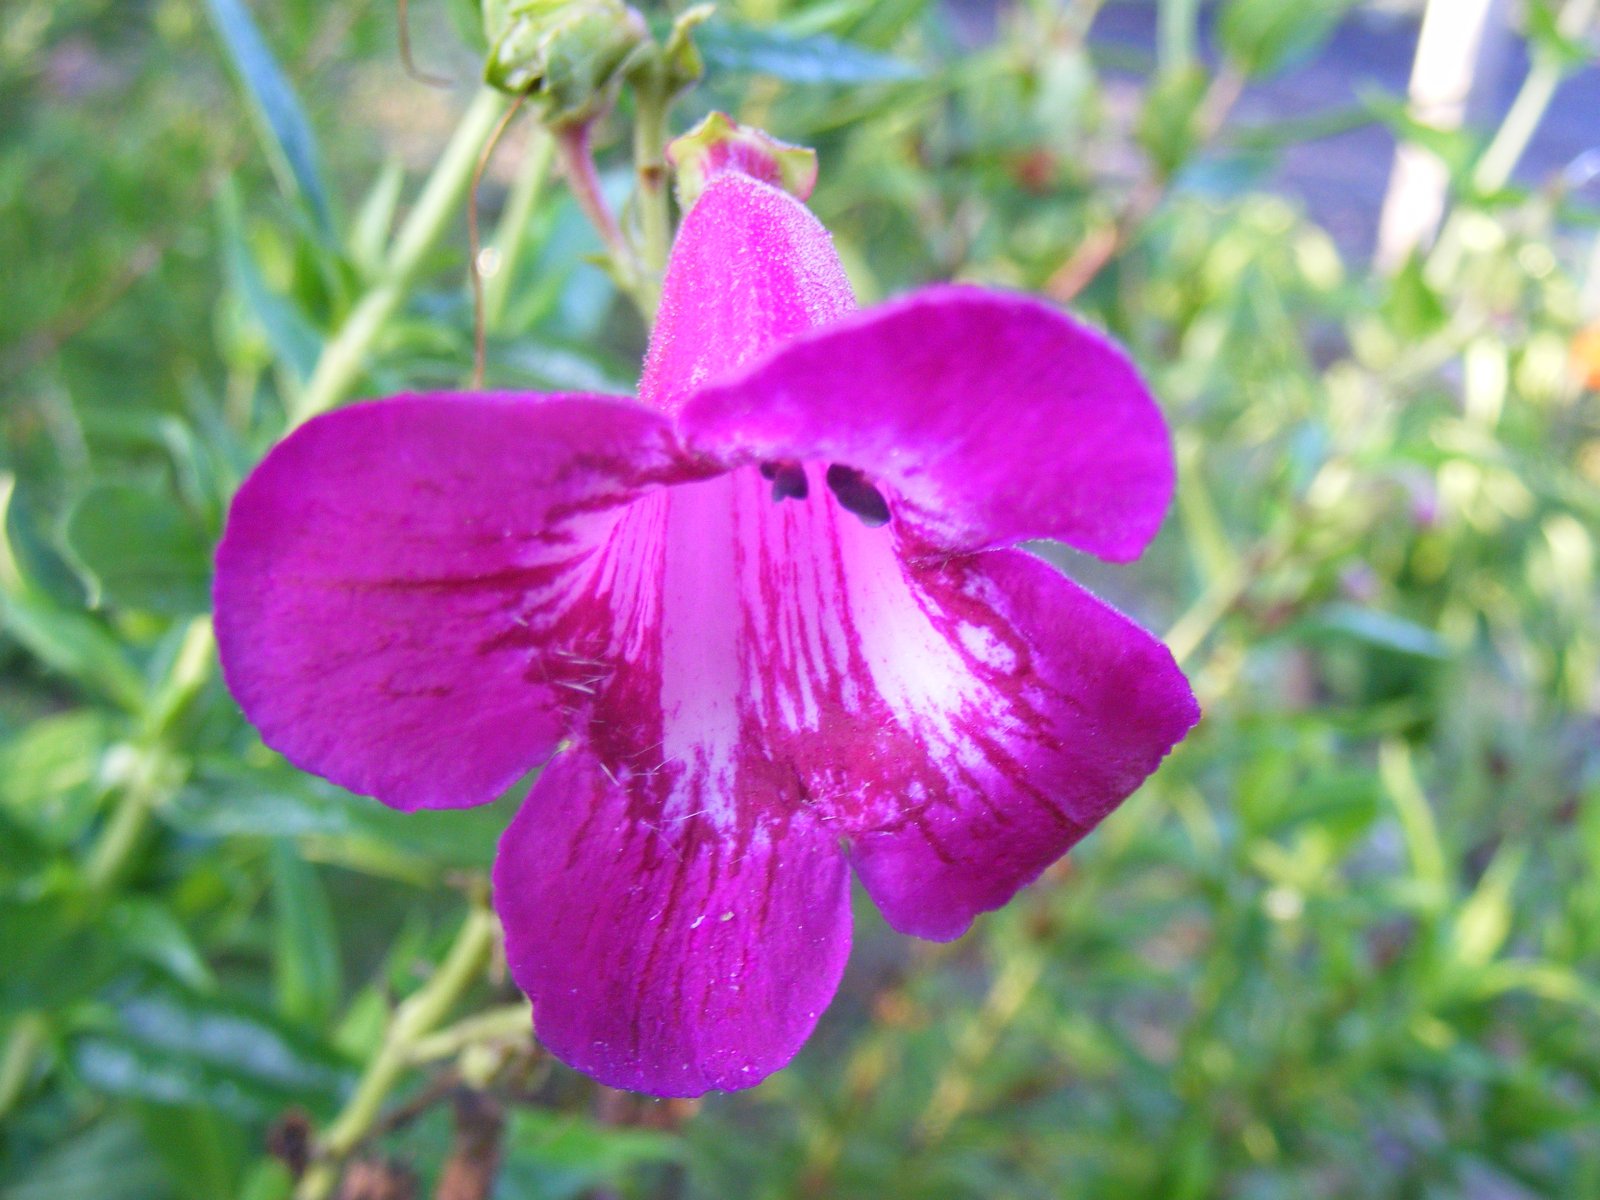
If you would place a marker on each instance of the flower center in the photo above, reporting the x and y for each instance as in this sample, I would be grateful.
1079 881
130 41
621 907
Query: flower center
848 485
788 480
851 489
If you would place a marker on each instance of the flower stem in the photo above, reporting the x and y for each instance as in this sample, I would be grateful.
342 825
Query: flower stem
413 1021
23 1044
650 163
342 358
1511 140
1528 108
511 232
577 164
506 1023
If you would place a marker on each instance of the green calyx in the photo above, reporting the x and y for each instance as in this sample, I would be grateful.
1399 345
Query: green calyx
720 144
568 54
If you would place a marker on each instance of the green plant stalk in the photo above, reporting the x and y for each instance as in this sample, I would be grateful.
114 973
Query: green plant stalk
23 1044
342 358
1517 130
511 232
1511 140
577 164
650 163
507 1023
1528 108
1176 21
413 1021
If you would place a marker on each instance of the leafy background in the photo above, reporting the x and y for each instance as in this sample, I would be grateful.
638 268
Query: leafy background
1344 944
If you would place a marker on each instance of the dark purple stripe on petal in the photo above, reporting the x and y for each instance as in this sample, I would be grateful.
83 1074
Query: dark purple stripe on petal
663 955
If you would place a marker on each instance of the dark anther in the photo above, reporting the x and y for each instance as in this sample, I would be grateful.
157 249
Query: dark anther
788 480
853 492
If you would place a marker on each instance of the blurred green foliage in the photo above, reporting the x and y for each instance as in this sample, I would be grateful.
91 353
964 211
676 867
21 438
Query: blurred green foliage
1345 944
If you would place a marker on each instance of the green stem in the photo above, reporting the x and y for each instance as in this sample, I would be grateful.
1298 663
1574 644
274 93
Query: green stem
1516 131
510 1022
1176 21
23 1044
577 164
1511 140
413 1021
342 358
650 162
120 837
512 230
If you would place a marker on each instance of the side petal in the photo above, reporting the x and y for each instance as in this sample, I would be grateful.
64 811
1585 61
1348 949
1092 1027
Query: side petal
1064 707
989 418
401 583
751 268
665 956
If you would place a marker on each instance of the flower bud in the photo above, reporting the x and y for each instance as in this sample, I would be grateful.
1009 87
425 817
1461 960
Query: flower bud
718 144
568 53
680 57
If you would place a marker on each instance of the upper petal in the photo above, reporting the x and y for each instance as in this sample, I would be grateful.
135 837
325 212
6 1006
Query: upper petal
405 587
664 954
751 268
990 418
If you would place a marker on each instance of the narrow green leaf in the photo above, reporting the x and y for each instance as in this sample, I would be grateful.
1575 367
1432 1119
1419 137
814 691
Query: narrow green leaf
1399 775
201 1151
294 340
76 645
231 799
305 943
1484 921
369 235
287 133
28 560
549 1149
1384 630
105 1161
142 550
172 1046
145 929
1263 36
48 773
817 59
56 952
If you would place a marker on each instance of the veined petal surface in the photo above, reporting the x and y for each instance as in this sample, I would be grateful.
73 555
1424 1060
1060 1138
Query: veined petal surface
665 954
405 587
956 725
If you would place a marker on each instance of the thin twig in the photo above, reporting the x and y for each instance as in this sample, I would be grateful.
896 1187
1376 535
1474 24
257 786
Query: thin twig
403 20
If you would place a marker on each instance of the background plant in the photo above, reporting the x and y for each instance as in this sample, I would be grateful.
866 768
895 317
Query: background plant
1344 944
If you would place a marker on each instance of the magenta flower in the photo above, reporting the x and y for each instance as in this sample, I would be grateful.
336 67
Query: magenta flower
773 607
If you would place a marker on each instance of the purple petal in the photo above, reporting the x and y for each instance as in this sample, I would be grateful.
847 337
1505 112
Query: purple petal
988 418
665 954
407 589
964 721
751 267
1052 710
